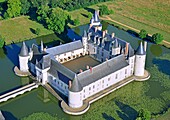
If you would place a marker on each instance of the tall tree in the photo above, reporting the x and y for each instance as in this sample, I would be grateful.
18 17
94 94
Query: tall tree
25 6
142 34
157 38
57 20
14 8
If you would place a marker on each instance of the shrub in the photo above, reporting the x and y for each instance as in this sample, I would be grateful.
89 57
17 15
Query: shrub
157 38
37 31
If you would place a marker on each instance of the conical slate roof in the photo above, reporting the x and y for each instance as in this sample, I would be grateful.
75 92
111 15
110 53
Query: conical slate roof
76 86
85 33
140 50
24 50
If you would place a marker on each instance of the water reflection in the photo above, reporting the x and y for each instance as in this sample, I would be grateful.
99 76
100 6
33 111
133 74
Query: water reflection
43 94
156 50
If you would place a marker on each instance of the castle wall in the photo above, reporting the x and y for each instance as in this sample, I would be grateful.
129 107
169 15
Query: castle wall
58 84
105 82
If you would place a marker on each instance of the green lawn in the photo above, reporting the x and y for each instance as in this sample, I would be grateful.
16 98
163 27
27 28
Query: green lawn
20 28
2 1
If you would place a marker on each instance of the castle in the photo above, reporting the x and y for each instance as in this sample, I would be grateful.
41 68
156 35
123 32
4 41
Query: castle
115 60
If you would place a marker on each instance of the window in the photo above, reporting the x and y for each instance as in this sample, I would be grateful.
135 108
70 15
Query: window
84 91
58 82
102 81
93 86
109 79
61 84
125 71
94 49
89 88
84 96
116 76
65 87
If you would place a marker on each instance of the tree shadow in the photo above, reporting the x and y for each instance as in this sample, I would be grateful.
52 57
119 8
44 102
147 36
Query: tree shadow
127 112
84 15
8 116
90 10
32 30
107 117
133 33
12 52
162 65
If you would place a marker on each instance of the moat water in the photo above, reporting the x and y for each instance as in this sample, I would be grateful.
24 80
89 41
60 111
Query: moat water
39 100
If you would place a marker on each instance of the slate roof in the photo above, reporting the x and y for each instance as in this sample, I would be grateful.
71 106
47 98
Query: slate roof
102 70
65 48
140 50
24 50
62 70
76 86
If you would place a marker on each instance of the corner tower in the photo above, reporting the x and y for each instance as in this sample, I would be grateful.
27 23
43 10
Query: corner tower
140 58
74 97
23 58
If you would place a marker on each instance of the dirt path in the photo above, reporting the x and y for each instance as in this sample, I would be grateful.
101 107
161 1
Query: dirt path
136 30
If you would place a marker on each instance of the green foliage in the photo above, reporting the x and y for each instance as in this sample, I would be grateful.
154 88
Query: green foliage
2 41
104 10
57 20
157 38
90 15
142 34
25 6
37 31
40 116
42 13
144 115
76 21
14 8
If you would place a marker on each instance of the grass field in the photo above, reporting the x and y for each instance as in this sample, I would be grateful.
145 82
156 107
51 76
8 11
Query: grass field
153 16
20 28
2 1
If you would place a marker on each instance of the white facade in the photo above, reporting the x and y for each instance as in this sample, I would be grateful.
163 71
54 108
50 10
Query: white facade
75 99
139 65
23 63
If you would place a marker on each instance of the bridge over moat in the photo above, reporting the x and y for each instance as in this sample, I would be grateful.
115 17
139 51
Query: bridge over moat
19 91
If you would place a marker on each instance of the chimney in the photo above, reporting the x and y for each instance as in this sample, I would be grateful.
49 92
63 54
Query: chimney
113 35
127 48
91 69
91 25
104 33
145 45
106 59
69 84
87 67
81 70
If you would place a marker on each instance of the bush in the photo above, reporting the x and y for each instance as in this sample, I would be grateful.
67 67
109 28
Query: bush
76 21
37 31
2 41
90 15
157 38
104 10
142 34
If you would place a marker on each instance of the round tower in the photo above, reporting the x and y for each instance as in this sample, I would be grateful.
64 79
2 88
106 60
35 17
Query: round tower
140 61
75 94
23 58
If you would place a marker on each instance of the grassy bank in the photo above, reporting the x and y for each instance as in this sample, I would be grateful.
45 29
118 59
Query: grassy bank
20 29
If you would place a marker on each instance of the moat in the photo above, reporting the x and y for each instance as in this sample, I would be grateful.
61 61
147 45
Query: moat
40 100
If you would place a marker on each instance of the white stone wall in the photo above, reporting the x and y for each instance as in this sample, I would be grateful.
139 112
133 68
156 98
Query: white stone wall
58 84
116 51
139 65
105 82
75 99
23 63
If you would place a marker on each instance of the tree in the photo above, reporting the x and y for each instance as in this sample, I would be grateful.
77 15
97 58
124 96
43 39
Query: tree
57 20
42 13
40 116
142 34
76 21
37 31
143 114
104 10
14 8
90 15
25 6
2 41
157 38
